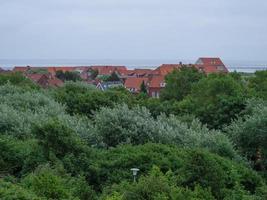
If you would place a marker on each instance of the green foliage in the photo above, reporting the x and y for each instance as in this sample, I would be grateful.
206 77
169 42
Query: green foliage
17 79
81 99
50 148
250 134
113 77
46 183
37 71
9 191
68 76
258 84
143 88
191 168
122 125
215 100
93 73
20 110
57 138
179 83
157 186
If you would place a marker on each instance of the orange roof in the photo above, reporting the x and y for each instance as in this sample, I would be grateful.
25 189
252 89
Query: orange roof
156 82
135 82
165 69
142 72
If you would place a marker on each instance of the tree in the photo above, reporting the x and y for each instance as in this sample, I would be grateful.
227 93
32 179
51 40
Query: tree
215 100
113 77
93 73
250 135
258 84
121 125
179 167
55 137
68 76
143 88
17 79
157 185
179 83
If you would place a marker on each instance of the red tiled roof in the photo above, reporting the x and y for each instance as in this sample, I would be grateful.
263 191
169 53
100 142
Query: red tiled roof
141 72
20 69
156 81
211 65
134 82
165 69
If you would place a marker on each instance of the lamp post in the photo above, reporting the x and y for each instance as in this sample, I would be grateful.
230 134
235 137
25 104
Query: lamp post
135 171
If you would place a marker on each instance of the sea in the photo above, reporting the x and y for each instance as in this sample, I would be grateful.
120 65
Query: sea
232 65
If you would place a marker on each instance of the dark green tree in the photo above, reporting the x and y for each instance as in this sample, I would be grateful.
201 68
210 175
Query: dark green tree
258 84
143 88
216 100
68 76
113 77
179 83
93 73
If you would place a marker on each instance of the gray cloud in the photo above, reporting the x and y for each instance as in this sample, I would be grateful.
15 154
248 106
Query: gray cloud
133 29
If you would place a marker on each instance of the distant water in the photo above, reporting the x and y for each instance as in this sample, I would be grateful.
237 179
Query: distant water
240 66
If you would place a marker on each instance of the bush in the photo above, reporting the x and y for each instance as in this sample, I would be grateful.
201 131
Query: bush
20 110
179 83
215 100
192 168
154 186
122 125
85 100
250 134
17 79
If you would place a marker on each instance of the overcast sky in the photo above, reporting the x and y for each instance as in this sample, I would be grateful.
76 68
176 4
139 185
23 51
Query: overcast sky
133 29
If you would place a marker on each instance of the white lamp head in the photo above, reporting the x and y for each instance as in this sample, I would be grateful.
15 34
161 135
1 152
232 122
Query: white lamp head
135 171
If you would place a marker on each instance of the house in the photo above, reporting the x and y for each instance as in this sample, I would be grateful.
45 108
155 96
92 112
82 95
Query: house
133 84
155 84
211 65
109 84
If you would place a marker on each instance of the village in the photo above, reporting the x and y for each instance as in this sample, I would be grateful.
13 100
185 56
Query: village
109 76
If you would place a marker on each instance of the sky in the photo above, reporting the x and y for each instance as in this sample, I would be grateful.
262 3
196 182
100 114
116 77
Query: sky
133 29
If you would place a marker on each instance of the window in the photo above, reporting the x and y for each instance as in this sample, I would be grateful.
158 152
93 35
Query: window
220 68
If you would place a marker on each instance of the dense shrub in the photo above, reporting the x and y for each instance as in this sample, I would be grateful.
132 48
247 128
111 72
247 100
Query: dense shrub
258 84
20 110
250 134
215 100
122 125
17 79
191 168
85 99
179 83
156 186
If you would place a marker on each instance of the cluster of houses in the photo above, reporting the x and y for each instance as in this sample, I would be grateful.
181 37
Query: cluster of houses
153 79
